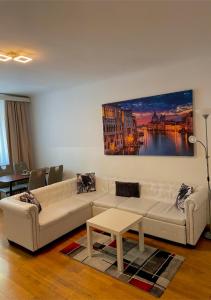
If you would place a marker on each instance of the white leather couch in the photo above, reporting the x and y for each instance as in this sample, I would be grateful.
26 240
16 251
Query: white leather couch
61 213
63 210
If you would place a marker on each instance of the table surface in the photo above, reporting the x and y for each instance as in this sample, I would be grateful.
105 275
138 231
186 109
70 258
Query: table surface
13 178
114 220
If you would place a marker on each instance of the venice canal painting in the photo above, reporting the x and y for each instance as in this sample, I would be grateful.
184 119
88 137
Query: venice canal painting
156 125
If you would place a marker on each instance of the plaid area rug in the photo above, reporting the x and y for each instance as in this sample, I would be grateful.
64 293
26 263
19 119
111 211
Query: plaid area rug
150 271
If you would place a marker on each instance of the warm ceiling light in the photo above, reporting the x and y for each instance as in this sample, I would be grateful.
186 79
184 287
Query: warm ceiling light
22 59
5 57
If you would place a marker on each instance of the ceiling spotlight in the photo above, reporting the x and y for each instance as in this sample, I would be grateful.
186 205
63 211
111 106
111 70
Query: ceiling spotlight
5 57
22 59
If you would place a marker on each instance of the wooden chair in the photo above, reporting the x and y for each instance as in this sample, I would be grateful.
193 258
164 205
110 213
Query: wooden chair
17 187
5 170
20 167
55 174
4 188
37 179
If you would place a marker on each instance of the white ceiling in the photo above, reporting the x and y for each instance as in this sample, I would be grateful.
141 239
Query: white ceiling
74 42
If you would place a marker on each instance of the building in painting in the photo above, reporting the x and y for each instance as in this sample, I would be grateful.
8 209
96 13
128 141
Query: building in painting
182 125
157 122
120 131
112 128
189 123
129 129
155 118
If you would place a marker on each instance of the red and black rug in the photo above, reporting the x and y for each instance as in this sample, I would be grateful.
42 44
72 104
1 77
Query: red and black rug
150 271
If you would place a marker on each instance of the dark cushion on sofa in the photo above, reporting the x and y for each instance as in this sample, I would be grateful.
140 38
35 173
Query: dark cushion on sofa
127 189
184 192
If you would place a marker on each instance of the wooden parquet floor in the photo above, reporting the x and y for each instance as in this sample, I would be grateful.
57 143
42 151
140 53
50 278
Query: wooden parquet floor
53 276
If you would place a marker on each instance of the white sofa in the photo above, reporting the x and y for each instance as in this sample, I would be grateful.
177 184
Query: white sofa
63 210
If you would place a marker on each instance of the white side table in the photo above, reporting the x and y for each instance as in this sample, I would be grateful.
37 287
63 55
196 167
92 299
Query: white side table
116 222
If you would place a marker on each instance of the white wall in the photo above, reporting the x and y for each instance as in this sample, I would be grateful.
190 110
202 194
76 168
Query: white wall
67 124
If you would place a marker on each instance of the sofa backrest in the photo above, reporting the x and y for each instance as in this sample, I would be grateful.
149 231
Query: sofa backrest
102 184
55 192
161 191
164 192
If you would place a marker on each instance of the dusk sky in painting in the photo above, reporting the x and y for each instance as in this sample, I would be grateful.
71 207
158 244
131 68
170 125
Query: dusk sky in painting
173 105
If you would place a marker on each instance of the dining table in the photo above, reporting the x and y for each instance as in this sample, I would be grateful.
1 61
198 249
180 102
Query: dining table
12 178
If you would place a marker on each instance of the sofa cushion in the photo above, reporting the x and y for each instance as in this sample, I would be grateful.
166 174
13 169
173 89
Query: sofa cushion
109 201
127 189
57 210
184 192
86 182
112 184
166 212
28 197
101 184
89 197
163 192
137 205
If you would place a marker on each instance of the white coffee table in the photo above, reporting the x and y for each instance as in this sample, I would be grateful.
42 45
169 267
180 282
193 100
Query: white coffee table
116 222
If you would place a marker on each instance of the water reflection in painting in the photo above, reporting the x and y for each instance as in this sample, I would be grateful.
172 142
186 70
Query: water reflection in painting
157 125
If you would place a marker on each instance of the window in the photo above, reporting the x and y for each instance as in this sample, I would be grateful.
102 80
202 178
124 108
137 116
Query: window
4 157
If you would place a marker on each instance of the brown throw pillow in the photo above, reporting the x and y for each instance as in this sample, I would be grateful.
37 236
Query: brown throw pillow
127 189
28 197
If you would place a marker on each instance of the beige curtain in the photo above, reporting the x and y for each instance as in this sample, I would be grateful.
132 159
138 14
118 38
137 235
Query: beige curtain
19 141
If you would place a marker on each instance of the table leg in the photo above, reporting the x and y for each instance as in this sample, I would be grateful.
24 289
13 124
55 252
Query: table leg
89 240
141 237
10 188
119 252
112 236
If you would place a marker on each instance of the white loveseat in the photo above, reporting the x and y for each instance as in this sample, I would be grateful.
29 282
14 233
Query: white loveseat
63 210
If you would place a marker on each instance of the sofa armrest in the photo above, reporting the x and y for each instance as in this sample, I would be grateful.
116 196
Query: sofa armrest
196 215
15 206
197 199
20 222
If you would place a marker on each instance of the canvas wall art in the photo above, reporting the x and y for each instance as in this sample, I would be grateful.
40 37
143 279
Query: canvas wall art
156 125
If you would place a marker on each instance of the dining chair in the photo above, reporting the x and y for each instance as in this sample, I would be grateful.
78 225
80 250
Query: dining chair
37 179
5 170
20 167
4 188
17 187
55 174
